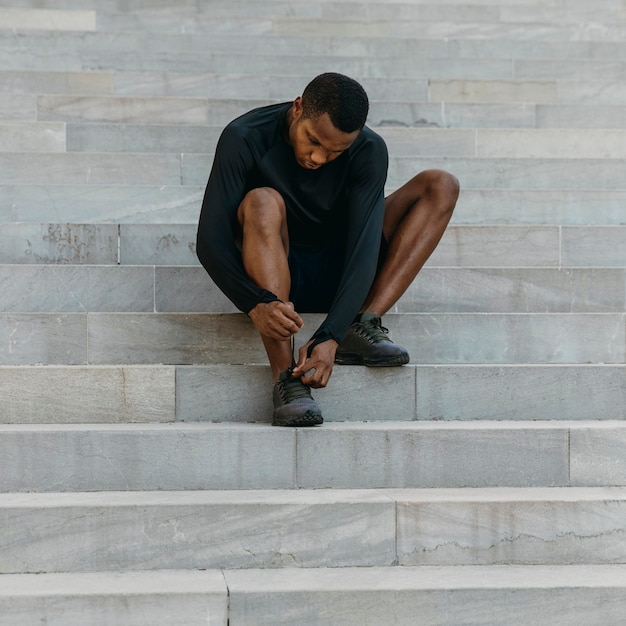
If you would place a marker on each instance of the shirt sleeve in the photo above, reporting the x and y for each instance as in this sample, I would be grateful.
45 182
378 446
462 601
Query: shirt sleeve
218 225
366 209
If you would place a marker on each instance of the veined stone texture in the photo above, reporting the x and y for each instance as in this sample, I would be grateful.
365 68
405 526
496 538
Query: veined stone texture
142 482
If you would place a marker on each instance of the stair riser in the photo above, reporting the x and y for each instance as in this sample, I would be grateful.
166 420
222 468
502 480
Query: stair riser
209 339
340 456
505 607
494 246
356 530
80 289
172 598
225 393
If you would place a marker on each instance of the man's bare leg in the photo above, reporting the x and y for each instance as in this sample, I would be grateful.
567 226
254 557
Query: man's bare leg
265 249
416 216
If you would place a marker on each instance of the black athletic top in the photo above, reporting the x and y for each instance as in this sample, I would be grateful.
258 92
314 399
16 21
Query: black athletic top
344 196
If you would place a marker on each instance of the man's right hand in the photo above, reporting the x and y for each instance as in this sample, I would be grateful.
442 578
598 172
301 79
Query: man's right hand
277 319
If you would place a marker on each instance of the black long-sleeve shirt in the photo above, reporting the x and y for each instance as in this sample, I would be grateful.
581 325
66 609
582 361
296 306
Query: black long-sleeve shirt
345 195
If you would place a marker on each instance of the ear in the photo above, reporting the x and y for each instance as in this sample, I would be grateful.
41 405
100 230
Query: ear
297 108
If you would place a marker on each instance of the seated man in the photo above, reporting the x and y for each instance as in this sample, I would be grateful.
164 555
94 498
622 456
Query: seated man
295 220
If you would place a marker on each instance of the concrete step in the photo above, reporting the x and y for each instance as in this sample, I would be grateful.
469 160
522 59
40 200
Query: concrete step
118 531
92 45
508 143
25 108
390 27
195 338
158 598
462 245
112 203
242 393
503 595
340 455
192 169
408 66
494 173
29 288
388 89
177 205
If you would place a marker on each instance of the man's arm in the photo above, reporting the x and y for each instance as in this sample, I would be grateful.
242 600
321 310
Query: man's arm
366 206
218 226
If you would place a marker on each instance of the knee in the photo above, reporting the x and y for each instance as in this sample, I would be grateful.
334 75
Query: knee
262 209
442 187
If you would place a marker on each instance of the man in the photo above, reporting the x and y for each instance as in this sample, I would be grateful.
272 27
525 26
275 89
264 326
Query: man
294 220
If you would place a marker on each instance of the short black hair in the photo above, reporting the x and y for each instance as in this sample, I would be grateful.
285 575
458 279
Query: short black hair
343 98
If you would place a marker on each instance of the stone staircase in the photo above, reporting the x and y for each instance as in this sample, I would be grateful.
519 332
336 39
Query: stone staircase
141 483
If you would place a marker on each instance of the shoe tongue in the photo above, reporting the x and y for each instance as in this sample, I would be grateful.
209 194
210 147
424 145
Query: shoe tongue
368 317
285 374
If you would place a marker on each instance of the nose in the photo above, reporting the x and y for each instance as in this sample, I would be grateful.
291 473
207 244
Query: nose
319 157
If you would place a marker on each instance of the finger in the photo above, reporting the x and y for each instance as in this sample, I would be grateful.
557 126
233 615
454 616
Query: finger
299 369
316 379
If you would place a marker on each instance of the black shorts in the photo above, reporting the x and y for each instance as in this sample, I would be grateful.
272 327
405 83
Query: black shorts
315 275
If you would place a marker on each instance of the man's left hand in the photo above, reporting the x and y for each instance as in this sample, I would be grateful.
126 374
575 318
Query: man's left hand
315 370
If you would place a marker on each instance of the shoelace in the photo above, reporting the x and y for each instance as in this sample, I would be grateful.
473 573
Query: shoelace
292 388
373 330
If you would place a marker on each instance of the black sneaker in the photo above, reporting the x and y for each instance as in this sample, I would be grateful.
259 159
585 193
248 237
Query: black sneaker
293 404
367 343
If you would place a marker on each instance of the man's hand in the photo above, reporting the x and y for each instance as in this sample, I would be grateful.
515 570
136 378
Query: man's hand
315 370
277 319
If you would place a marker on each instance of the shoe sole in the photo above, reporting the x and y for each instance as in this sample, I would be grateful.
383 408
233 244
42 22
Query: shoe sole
355 359
310 418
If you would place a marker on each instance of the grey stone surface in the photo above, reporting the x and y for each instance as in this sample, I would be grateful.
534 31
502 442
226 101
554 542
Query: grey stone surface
489 392
551 143
32 137
433 455
80 204
196 338
436 142
58 243
495 338
159 598
486 290
87 169
181 339
35 82
195 530
140 139
498 246
234 393
47 19
441 596
465 338
509 173
473 90
599 246
188 289
540 206
49 394
516 334
581 116
76 288
155 244
34 338
134 457
17 107
122 110
579 69
550 526
598 455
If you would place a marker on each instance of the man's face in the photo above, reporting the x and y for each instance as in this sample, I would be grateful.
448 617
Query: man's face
315 141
